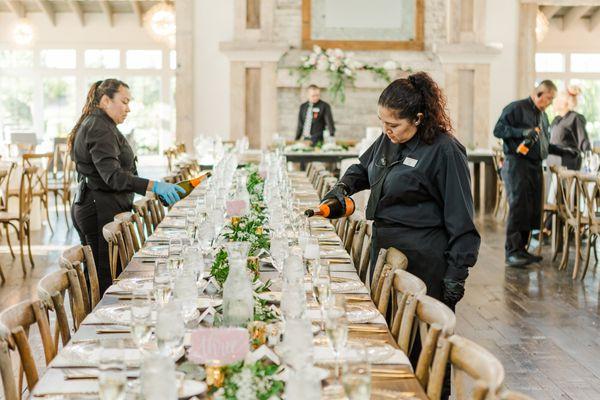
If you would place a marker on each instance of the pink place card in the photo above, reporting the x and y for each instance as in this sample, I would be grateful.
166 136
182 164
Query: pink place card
224 345
235 208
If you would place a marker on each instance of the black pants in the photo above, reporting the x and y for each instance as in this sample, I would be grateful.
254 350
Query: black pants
89 227
523 182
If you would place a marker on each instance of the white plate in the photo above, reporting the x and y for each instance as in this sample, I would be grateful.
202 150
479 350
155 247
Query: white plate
358 314
157 250
348 286
377 352
162 235
130 285
322 373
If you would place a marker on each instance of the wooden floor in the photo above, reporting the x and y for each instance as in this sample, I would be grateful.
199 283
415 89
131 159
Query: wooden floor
538 322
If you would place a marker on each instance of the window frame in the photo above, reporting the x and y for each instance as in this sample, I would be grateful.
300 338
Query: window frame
81 73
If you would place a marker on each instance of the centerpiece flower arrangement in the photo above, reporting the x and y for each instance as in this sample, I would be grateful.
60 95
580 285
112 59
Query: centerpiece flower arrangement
341 68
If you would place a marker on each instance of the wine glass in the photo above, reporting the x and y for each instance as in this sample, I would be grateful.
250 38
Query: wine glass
311 255
112 380
161 283
141 318
336 327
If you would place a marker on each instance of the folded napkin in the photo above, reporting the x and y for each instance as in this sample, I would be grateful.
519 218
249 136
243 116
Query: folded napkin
314 314
53 382
324 354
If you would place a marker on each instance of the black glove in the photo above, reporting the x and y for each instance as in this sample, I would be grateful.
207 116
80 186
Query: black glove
569 151
339 191
531 134
452 291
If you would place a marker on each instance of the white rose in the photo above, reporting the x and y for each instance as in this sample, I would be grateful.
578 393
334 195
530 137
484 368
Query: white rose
312 59
322 64
329 52
390 65
339 53
348 71
317 49
332 67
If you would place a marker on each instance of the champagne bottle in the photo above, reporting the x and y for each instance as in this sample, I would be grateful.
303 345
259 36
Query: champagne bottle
332 209
188 186
526 144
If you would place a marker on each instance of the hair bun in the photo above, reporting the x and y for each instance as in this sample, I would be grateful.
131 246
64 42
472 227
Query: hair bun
573 90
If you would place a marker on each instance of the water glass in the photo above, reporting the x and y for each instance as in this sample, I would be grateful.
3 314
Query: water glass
279 250
161 283
157 376
112 380
185 291
356 375
170 329
190 225
297 344
175 246
293 268
302 385
293 299
141 318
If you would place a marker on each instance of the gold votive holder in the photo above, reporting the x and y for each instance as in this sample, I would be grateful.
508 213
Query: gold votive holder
254 265
258 333
215 374
259 230
235 221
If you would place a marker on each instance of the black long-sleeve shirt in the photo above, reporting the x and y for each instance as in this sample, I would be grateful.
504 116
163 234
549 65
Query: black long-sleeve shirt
569 131
427 187
518 117
322 118
104 158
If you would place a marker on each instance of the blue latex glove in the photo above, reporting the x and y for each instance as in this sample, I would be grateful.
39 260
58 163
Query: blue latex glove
167 191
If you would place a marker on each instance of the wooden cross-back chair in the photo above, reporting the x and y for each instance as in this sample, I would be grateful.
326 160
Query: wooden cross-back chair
571 218
20 220
51 290
133 229
588 215
431 320
40 178
391 256
405 289
119 253
62 187
9 167
554 210
157 211
15 323
3 175
470 359
142 208
81 259
356 248
365 257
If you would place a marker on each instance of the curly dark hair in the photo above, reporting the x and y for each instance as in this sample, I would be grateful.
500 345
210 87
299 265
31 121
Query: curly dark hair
419 94
98 89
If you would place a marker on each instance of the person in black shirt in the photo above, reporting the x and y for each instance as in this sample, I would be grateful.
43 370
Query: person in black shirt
314 117
106 167
420 200
525 120
568 130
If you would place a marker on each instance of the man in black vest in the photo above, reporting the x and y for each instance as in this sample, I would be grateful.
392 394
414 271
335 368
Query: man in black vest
314 117
523 127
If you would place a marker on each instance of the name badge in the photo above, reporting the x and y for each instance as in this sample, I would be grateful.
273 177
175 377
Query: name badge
411 162
315 110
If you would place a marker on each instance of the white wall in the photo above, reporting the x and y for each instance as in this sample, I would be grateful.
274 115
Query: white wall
502 19
213 23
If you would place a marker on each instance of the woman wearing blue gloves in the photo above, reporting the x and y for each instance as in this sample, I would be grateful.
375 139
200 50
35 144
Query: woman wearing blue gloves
106 167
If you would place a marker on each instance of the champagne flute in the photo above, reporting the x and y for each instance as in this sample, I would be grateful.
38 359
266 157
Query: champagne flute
190 225
161 283
336 327
321 287
311 255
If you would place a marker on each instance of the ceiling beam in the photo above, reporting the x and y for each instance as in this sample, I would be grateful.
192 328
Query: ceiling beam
137 9
549 11
47 9
573 16
76 8
594 20
16 7
107 9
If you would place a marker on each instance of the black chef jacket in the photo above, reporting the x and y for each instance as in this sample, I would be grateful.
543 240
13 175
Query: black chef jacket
569 131
106 163
516 118
322 118
425 208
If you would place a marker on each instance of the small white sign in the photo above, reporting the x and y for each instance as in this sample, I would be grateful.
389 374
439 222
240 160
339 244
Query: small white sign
411 162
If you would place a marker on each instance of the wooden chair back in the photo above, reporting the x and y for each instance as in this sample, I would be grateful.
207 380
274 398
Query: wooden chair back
433 320
351 231
43 162
383 286
358 242
52 289
365 258
5 187
26 193
133 229
118 253
157 210
15 323
405 289
568 194
142 208
470 359
81 259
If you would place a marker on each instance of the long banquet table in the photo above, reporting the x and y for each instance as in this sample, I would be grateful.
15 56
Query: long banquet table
54 381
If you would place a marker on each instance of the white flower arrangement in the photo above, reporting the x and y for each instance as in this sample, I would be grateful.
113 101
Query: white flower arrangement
342 68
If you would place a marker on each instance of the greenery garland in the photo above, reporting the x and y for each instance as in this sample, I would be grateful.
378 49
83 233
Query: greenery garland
251 381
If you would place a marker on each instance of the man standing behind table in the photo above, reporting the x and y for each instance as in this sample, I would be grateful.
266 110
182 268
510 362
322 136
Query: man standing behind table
314 117
523 127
